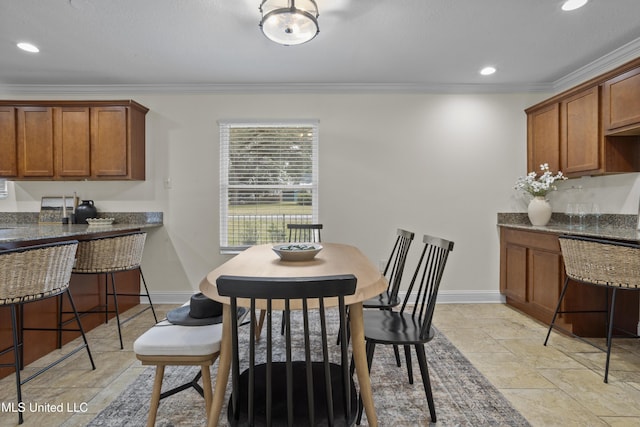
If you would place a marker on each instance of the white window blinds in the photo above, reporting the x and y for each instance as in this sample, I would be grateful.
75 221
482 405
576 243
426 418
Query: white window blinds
268 179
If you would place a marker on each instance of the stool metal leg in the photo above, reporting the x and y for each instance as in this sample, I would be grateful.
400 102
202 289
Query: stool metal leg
16 358
555 314
106 297
609 335
117 309
148 295
84 337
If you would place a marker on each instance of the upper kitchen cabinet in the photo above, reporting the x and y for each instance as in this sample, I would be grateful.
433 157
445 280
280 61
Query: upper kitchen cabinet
35 142
621 105
8 142
543 137
580 136
573 132
117 143
70 140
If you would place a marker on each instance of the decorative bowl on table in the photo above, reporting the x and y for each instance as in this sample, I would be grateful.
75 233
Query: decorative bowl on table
297 251
100 221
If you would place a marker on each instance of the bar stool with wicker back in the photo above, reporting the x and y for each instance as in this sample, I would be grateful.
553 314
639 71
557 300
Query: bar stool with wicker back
611 265
110 255
31 274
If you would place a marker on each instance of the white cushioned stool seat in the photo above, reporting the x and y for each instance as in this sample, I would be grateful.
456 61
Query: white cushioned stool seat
166 339
168 344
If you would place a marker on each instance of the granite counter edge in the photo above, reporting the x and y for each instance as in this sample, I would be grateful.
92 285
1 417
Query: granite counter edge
607 226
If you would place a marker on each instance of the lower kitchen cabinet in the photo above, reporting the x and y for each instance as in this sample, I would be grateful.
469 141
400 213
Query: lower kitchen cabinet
531 271
532 276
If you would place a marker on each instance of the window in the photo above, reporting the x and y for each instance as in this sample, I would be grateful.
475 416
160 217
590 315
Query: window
268 179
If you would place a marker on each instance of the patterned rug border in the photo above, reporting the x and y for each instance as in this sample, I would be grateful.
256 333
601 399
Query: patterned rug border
463 396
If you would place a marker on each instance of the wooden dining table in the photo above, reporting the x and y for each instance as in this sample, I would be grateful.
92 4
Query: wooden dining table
333 259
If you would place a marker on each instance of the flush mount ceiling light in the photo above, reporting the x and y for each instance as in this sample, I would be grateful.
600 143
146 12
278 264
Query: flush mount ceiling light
289 22
28 47
573 4
487 71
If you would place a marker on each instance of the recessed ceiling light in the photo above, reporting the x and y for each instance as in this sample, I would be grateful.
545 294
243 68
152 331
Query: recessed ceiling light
487 71
573 4
28 47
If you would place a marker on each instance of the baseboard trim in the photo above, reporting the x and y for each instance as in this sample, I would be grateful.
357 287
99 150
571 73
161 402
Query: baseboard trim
444 297
470 297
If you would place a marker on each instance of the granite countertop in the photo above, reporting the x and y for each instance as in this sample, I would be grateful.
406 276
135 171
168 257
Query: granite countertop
607 226
24 226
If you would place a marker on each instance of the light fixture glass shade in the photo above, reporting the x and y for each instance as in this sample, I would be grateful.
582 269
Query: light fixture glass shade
289 22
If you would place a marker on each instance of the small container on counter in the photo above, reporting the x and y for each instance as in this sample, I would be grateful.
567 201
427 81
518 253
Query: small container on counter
85 210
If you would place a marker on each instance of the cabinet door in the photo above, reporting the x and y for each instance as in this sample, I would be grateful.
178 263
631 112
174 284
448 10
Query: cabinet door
515 273
621 107
580 139
35 141
72 141
109 142
543 138
545 280
8 143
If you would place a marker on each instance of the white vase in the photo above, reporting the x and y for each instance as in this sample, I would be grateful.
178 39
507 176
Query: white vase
539 211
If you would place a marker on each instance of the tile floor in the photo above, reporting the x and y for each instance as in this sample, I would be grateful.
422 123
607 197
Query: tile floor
557 385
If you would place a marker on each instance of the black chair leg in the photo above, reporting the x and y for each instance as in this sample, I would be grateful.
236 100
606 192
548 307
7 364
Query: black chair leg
407 356
610 335
424 371
555 314
396 353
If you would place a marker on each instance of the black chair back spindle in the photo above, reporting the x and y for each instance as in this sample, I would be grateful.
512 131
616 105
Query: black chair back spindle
310 233
301 386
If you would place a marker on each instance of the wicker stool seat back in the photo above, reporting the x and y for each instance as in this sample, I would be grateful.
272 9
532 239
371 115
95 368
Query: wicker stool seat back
30 274
602 262
611 265
110 254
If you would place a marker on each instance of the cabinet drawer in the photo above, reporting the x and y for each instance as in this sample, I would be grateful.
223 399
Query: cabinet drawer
531 239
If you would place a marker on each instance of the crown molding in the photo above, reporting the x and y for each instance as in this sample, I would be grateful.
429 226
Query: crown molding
283 88
608 62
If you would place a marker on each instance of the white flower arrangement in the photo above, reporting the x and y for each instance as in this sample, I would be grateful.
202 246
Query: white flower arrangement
539 186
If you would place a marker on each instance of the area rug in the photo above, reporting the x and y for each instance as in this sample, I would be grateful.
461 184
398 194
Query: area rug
463 396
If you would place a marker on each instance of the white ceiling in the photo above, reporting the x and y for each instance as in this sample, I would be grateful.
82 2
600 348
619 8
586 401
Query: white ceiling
410 44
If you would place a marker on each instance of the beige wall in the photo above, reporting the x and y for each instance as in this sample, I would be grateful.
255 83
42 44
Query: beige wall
442 164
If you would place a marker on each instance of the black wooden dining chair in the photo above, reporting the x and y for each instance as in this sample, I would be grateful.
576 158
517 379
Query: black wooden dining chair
393 271
610 265
411 326
301 233
295 382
